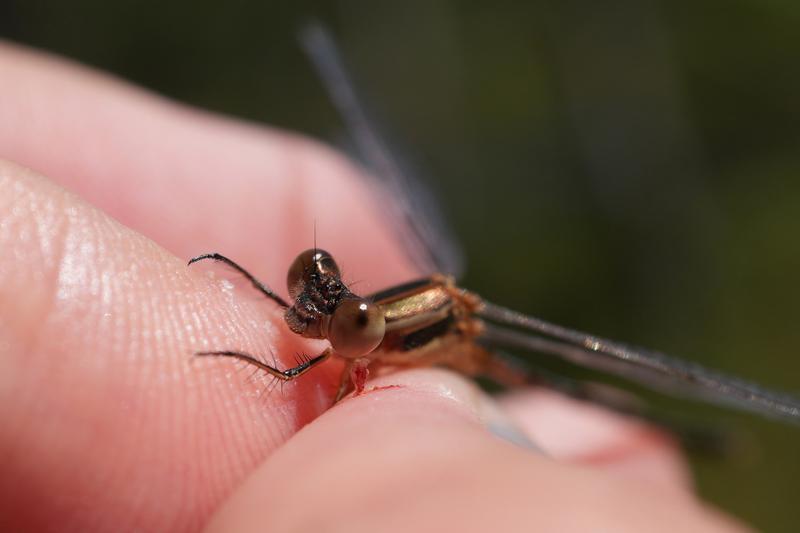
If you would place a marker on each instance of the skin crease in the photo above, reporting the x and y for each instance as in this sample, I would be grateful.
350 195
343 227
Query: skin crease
110 424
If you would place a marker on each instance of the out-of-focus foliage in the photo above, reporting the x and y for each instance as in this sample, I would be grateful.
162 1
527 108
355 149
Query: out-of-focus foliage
632 166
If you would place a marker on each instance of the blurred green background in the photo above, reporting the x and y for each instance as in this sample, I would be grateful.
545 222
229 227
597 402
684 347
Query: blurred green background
632 165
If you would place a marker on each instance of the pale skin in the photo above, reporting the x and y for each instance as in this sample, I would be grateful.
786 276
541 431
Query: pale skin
109 423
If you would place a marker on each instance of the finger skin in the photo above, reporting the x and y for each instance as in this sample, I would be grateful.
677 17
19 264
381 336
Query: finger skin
107 418
580 433
417 458
191 181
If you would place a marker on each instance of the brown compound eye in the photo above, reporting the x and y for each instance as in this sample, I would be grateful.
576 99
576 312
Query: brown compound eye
356 328
309 262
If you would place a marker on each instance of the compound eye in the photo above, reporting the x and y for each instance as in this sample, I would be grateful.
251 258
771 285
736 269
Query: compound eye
309 262
325 264
356 328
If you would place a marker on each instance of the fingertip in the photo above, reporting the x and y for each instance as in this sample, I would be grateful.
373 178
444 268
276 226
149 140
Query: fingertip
581 433
400 436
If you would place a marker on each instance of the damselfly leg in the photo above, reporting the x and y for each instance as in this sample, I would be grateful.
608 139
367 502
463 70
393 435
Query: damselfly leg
264 289
283 375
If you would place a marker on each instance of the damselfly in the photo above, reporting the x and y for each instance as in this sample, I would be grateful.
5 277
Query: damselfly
431 321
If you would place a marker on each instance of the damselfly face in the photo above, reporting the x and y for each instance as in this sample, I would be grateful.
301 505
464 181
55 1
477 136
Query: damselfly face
324 308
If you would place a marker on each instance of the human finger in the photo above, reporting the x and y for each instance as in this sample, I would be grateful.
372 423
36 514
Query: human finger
192 181
108 420
580 433
420 453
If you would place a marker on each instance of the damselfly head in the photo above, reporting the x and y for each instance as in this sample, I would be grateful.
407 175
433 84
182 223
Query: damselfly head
324 308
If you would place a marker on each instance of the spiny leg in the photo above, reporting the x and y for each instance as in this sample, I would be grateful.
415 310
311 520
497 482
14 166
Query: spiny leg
282 375
269 293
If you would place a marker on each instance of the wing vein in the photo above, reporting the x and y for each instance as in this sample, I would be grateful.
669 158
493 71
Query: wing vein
428 241
663 372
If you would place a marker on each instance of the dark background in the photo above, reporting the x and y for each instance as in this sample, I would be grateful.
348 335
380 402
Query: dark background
629 169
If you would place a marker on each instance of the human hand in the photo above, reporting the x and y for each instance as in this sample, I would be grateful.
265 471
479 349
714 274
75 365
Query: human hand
110 424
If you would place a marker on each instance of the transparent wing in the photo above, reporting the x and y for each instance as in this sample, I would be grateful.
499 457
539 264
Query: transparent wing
711 438
653 369
413 209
